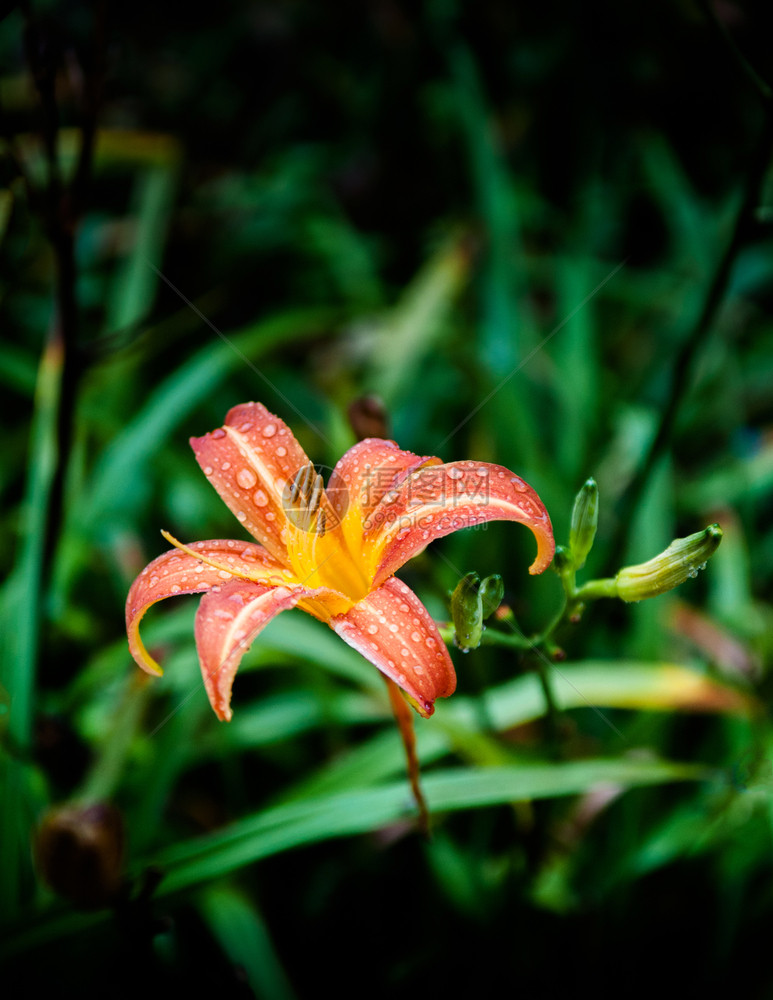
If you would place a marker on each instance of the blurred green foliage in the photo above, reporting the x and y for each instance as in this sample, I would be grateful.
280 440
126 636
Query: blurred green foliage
541 234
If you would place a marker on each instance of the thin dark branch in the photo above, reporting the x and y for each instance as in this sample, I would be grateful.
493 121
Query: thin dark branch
684 362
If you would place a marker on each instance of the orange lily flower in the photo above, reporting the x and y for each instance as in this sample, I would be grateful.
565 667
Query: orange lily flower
332 553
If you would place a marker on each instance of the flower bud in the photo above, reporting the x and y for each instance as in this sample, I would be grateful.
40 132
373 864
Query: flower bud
585 518
79 851
369 418
562 559
492 590
682 559
467 612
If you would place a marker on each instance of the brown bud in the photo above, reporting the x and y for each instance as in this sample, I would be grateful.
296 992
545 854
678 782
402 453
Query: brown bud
79 852
369 418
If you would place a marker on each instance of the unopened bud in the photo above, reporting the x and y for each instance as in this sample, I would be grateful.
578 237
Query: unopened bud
492 590
79 851
562 560
585 519
680 561
467 612
369 418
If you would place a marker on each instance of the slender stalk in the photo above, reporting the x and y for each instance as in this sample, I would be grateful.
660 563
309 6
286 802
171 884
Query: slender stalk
404 716
685 360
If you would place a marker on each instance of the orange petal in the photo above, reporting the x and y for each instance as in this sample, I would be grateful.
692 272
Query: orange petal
393 629
438 500
226 624
251 461
369 470
175 573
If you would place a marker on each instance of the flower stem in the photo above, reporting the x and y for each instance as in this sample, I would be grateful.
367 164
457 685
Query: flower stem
404 717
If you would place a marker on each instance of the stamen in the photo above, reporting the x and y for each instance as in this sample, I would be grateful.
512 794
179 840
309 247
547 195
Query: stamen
316 495
269 580
306 493
301 483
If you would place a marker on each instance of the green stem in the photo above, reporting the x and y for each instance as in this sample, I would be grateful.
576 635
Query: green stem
553 713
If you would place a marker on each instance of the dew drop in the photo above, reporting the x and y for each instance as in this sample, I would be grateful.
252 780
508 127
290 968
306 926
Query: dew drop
455 473
208 470
176 590
241 516
393 627
224 574
281 451
225 466
269 430
415 636
260 498
153 581
246 478
270 516
372 629
484 472
219 433
245 427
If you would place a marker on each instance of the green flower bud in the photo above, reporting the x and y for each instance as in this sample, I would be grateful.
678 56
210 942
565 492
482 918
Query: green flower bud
492 590
562 560
467 612
682 559
585 518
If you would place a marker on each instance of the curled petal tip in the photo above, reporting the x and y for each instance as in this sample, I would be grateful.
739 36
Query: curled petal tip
546 548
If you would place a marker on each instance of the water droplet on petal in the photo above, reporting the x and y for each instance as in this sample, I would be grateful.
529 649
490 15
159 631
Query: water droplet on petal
260 498
225 466
415 636
269 430
482 471
372 629
454 473
241 516
246 478
281 452
245 427
393 627
219 433
208 470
